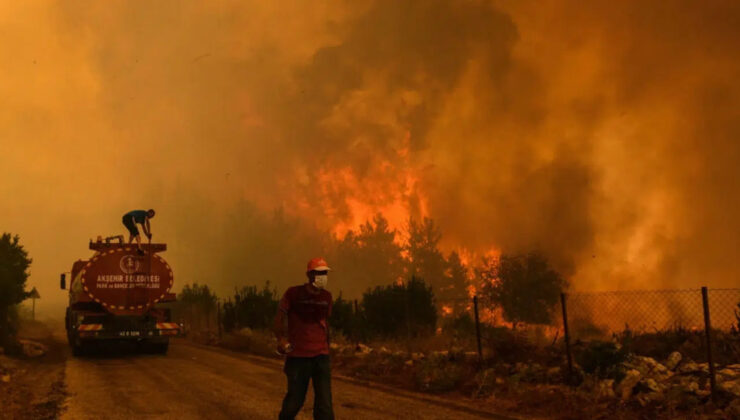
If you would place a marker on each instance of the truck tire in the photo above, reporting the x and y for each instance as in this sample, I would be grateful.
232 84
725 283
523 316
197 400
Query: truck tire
161 348
78 349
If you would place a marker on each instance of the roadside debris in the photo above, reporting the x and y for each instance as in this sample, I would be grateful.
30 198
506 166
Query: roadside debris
32 349
677 382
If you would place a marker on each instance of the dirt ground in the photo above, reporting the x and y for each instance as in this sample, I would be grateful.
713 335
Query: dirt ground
194 381
197 381
190 382
35 387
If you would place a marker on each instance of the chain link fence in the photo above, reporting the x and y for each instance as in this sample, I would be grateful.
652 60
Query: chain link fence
610 316
600 315
652 323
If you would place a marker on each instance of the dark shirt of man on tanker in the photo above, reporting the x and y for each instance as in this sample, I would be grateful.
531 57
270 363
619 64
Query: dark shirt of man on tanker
141 217
302 331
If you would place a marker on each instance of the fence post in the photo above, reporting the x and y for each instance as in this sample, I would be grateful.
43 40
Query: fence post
218 317
408 316
477 330
567 335
707 330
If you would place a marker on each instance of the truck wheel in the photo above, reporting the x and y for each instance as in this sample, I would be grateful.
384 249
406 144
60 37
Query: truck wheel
161 348
78 350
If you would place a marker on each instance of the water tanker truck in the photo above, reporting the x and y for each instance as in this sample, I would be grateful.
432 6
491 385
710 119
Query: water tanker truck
117 295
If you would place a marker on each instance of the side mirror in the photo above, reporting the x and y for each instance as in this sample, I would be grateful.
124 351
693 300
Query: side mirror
63 281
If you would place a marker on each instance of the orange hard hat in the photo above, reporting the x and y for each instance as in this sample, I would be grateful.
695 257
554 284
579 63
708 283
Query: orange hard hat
317 264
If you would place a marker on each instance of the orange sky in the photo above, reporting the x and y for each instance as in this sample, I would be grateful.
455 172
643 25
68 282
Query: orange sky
603 134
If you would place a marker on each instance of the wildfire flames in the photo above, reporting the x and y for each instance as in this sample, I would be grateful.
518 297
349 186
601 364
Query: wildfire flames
351 202
554 126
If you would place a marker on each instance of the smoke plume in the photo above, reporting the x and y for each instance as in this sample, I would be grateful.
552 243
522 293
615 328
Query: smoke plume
602 134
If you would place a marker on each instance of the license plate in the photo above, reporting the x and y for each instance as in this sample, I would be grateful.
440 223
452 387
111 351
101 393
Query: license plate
128 333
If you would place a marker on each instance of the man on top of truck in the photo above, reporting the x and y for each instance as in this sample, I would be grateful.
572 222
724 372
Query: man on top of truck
141 217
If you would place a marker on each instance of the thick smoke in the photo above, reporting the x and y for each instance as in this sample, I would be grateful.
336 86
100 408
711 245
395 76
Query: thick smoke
603 134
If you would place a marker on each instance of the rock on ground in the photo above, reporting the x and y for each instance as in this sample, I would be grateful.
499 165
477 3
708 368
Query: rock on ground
605 389
630 380
732 387
32 348
673 360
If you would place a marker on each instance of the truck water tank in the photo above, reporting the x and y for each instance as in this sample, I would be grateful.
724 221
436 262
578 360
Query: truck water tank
124 282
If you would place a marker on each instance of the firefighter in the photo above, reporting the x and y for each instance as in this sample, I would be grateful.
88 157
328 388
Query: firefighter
141 217
302 332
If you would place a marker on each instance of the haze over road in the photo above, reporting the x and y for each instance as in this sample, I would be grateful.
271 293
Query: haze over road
193 382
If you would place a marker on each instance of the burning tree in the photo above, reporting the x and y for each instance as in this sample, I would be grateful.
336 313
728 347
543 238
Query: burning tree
424 258
523 286
454 289
447 276
14 263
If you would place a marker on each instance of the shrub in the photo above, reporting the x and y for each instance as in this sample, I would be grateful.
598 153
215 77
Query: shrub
251 308
378 366
437 375
461 325
196 306
524 286
14 263
585 329
506 345
400 309
342 317
602 358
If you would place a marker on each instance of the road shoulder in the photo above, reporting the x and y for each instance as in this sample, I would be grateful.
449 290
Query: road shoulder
34 387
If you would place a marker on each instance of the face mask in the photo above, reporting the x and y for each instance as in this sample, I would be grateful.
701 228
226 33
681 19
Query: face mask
320 281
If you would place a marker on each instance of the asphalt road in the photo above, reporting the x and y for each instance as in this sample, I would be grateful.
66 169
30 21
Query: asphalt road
194 382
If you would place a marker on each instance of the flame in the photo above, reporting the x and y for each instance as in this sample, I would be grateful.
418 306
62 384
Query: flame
471 290
446 310
350 200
